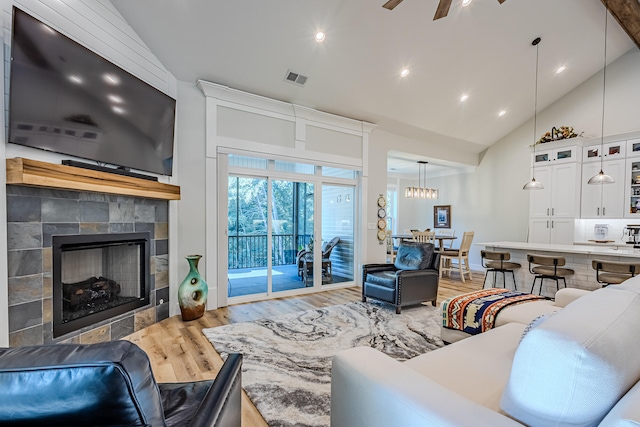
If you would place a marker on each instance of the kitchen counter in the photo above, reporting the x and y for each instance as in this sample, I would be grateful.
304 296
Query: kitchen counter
575 249
578 257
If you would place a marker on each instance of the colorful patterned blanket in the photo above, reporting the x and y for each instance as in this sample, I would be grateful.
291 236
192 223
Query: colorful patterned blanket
476 312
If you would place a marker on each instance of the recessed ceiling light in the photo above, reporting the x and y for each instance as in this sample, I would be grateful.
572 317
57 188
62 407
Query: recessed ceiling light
464 97
561 69
466 2
118 110
320 36
502 113
115 98
111 79
75 79
404 73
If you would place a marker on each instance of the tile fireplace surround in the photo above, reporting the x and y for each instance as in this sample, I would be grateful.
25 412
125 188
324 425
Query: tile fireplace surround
35 214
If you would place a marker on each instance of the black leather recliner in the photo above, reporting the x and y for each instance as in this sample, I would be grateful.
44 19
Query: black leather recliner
411 280
109 384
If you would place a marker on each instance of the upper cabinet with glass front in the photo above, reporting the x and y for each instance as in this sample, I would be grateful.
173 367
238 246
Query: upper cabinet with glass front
556 155
612 150
633 148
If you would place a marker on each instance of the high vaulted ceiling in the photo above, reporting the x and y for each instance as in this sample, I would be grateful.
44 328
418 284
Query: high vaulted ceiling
482 50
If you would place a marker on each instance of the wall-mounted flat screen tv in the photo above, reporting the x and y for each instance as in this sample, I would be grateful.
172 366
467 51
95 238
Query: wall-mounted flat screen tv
67 99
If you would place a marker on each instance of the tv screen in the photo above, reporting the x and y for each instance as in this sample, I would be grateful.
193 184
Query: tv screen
67 99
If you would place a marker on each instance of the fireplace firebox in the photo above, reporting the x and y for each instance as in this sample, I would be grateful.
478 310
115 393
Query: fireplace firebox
97 277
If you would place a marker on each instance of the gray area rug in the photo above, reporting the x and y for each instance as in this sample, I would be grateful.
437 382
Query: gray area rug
287 359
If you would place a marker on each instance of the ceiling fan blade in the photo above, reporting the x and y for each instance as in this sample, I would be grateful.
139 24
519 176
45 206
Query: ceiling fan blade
393 3
443 9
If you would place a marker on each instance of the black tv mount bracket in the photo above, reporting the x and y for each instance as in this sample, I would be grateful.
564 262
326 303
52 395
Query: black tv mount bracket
119 171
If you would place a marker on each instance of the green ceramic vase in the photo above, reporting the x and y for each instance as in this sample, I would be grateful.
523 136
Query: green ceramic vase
193 291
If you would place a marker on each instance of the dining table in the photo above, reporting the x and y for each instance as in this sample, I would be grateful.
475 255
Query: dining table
440 238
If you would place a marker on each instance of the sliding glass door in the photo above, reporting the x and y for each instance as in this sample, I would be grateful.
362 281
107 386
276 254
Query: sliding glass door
338 216
270 231
292 219
290 227
247 231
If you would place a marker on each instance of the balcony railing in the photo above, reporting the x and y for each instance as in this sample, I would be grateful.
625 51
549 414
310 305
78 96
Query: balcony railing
248 251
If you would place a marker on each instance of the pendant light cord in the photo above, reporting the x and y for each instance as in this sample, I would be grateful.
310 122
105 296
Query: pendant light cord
604 85
535 103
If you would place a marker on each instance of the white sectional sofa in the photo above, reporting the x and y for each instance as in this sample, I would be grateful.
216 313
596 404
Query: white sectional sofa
578 367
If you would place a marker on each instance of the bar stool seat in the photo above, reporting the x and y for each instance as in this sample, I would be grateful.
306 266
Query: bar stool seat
614 272
548 267
498 262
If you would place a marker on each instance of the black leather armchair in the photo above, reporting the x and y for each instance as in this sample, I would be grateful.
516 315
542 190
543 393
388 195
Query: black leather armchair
411 280
109 384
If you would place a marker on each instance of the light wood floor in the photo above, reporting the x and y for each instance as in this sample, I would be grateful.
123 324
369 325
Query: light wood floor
180 352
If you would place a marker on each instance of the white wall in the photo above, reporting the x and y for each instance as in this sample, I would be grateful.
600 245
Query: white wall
191 209
98 26
490 201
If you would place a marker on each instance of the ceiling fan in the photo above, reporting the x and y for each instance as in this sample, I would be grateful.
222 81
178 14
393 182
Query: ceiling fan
441 11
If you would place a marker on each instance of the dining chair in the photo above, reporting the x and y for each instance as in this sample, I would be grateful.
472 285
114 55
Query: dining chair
449 232
391 251
424 236
460 256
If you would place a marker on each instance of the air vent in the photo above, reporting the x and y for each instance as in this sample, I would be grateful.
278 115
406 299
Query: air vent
296 78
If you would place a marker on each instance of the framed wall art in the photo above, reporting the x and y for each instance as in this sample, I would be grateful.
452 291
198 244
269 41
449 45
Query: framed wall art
442 216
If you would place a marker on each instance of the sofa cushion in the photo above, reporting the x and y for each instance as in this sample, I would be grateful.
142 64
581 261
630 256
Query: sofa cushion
414 256
382 278
632 284
524 313
626 413
574 367
48 387
477 367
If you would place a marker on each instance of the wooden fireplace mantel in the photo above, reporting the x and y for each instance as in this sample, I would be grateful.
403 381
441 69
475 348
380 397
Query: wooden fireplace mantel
22 171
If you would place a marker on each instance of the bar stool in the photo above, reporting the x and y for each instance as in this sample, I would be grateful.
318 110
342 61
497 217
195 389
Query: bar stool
498 262
548 267
614 272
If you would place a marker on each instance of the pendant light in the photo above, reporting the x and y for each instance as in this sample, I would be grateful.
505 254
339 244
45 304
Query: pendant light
601 177
421 192
533 184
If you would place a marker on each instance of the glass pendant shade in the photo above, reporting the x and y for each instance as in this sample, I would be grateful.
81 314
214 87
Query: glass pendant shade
601 178
533 185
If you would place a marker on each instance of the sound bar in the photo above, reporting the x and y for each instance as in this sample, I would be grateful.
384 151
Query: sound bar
117 171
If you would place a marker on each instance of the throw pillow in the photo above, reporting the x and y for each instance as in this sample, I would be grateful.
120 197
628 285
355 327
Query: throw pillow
572 368
414 256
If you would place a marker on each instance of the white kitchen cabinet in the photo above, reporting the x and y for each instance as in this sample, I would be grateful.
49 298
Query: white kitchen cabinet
611 150
552 210
568 154
557 230
632 188
633 147
603 200
561 194
540 200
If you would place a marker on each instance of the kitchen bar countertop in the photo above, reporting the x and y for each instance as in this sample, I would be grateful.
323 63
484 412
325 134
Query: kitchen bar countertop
584 249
